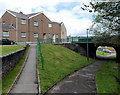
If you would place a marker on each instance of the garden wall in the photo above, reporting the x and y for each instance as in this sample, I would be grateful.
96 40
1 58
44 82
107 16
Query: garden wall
10 60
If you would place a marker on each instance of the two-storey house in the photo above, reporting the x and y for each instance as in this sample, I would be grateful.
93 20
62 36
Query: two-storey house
21 27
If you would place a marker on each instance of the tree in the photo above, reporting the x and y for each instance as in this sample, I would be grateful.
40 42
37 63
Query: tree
106 27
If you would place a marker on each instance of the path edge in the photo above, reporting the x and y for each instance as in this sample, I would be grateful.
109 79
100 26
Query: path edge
38 77
96 78
17 77
66 77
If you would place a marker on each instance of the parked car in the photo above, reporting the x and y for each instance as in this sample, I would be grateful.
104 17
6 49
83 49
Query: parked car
4 41
107 51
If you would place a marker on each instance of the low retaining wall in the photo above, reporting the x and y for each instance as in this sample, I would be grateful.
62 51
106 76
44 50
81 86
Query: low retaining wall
70 46
75 47
10 60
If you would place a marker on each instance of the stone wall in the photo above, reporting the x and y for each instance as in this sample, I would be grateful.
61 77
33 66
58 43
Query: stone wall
10 60
75 47
81 48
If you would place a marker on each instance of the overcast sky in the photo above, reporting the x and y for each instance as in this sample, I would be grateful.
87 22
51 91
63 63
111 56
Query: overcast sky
68 11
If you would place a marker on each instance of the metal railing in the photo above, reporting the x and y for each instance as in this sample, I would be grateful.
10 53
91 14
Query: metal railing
54 41
67 40
39 53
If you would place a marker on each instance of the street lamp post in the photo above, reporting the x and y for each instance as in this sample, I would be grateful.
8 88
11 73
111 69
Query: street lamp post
87 46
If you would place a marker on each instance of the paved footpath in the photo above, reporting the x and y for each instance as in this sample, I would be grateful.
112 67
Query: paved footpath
27 82
82 81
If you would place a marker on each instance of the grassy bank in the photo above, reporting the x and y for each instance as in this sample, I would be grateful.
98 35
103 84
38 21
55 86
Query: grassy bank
8 49
58 62
107 78
9 79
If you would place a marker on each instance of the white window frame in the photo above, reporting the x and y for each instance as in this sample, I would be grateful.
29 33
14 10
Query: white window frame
23 21
49 25
23 34
35 35
5 33
36 23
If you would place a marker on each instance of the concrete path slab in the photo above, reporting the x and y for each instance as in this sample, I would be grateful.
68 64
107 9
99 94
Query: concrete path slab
82 81
28 82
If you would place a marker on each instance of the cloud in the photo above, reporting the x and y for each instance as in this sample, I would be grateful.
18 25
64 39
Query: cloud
75 19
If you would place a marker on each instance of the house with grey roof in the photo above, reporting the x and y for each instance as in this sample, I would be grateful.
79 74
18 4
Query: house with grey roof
22 27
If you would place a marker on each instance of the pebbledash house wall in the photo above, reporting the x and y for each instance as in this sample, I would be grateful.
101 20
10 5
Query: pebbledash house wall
42 29
63 31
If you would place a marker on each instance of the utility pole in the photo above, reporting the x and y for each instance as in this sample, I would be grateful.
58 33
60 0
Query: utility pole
87 46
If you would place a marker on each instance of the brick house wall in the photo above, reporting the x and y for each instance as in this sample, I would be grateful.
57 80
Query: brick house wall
0 27
12 34
34 29
56 29
22 28
43 30
8 19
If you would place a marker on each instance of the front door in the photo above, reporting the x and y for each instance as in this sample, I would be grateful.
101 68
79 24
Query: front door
53 38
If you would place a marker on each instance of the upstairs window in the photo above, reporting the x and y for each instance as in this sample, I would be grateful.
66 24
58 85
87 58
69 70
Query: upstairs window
23 21
49 25
5 33
35 23
35 35
23 34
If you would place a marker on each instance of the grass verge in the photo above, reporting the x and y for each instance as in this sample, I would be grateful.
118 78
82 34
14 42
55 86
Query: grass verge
8 49
102 53
9 79
58 63
107 78
113 56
